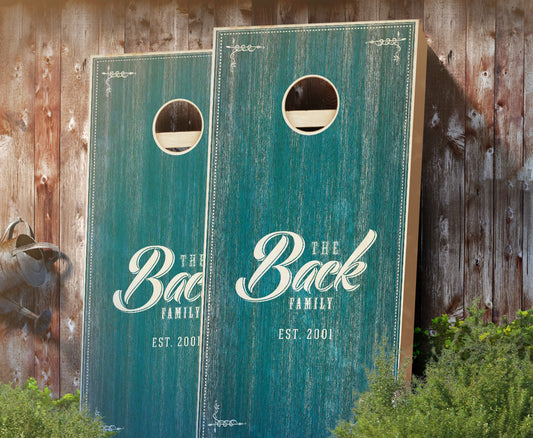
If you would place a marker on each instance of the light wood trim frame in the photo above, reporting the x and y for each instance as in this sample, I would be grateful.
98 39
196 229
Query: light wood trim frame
413 204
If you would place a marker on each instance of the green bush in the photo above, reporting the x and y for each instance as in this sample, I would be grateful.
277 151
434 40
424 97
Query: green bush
29 412
479 383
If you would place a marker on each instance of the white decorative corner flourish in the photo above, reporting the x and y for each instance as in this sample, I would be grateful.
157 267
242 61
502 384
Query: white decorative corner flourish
390 42
113 75
223 423
236 48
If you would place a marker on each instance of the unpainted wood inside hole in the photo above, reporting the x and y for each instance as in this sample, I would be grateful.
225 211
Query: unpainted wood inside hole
178 126
311 104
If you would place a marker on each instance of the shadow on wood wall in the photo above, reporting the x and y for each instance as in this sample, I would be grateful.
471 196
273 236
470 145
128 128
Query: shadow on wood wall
441 234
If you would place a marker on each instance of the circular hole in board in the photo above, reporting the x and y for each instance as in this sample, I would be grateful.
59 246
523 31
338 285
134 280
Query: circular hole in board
178 127
310 105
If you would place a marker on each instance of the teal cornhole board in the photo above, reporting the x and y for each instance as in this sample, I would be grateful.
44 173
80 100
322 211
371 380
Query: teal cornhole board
145 231
311 239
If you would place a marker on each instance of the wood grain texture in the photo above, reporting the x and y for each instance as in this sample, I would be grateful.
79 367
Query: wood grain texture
362 10
137 27
527 172
259 190
233 13
331 12
442 223
201 22
479 154
47 170
401 9
17 360
292 12
508 157
142 199
169 25
119 26
111 35
263 12
79 18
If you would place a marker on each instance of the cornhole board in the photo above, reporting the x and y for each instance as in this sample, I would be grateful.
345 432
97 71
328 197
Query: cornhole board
145 225
311 222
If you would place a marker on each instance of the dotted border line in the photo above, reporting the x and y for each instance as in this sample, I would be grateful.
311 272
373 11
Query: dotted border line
204 354
368 26
213 188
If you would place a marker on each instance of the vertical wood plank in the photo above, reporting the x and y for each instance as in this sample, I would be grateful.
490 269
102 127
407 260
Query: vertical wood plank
111 35
401 9
417 9
508 158
201 22
79 40
263 12
233 13
527 174
292 12
441 271
47 219
330 12
361 10
392 10
169 25
479 152
137 27
17 70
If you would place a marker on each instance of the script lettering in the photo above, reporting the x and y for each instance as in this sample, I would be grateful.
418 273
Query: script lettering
311 273
181 285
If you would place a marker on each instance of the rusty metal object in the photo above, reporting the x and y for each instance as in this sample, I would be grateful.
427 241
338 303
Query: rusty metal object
41 322
23 263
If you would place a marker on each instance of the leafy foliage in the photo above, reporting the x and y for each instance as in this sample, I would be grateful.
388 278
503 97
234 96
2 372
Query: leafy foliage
479 383
28 412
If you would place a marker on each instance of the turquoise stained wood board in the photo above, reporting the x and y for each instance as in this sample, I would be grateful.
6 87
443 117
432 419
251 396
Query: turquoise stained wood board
146 212
312 221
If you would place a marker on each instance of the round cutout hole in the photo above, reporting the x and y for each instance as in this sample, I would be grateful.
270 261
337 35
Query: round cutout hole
178 127
310 105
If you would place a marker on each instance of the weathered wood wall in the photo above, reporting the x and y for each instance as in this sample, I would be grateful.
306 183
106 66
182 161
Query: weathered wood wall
477 206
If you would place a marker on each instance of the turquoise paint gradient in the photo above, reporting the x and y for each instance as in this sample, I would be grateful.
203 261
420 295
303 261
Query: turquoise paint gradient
141 196
333 186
